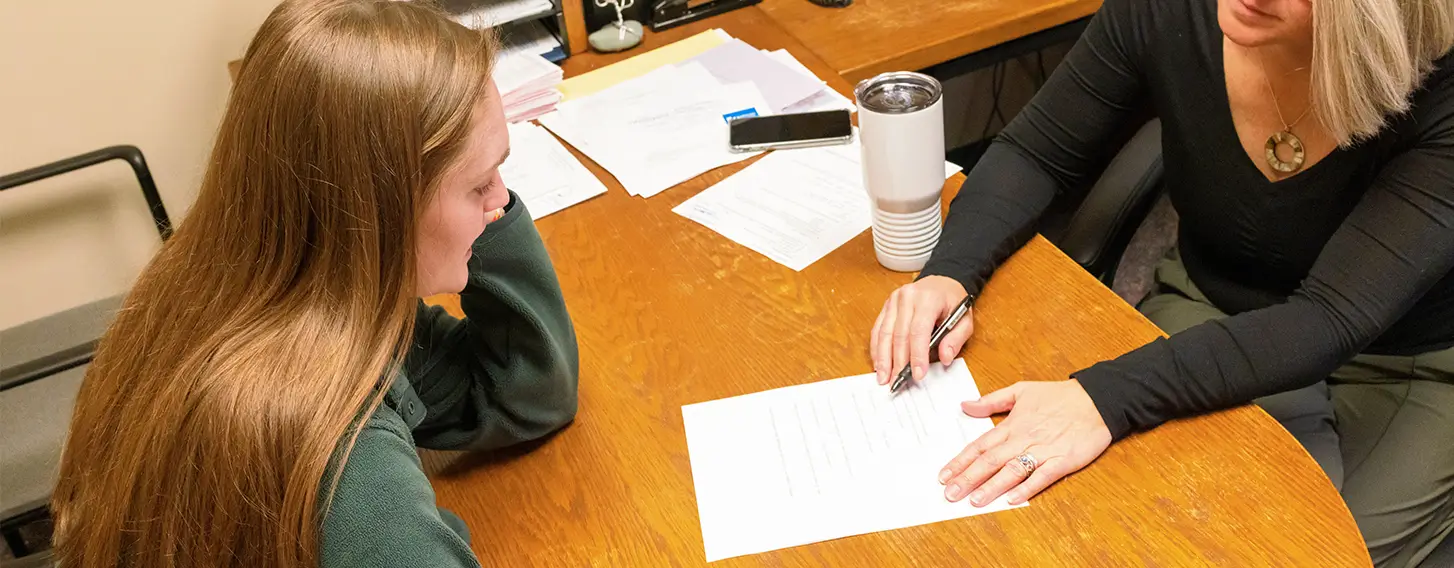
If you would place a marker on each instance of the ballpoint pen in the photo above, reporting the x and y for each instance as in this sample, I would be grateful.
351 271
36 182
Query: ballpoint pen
934 340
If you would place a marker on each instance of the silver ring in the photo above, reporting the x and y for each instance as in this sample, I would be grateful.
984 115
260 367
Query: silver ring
1027 463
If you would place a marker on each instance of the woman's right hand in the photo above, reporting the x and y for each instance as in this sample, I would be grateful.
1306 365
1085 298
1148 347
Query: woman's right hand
901 334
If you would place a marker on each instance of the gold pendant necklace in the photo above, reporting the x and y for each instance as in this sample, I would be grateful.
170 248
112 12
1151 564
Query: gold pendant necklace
1285 136
1294 143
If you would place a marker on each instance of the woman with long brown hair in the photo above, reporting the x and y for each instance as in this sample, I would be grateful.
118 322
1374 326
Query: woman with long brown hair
258 400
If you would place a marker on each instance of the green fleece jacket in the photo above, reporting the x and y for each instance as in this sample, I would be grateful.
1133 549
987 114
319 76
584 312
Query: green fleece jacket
505 374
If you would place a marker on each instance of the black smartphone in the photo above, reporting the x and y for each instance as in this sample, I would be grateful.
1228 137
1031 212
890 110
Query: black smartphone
755 133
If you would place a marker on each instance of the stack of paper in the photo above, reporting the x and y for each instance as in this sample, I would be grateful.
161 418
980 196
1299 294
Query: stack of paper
827 460
544 174
659 129
496 12
793 206
527 85
732 61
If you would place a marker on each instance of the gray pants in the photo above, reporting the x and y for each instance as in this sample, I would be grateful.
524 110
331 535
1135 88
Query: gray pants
1380 427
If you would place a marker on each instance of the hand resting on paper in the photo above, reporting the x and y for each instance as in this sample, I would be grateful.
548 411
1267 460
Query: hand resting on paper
901 334
1055 423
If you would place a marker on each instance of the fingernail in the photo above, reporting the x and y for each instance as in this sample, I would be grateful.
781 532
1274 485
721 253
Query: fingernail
918 371
944 476
977 498
954 492
1015 498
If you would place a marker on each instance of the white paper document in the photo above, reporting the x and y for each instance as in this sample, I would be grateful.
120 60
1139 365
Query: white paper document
951 168
826 460
544 174
781 85
657 130
824 99
792 206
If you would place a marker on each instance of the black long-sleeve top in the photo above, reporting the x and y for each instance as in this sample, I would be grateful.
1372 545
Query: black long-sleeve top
1351 255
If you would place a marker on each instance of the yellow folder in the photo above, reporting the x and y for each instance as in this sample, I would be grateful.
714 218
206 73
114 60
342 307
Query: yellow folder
587 83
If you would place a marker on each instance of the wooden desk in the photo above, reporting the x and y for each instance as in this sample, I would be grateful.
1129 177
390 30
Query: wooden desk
874 36
669 313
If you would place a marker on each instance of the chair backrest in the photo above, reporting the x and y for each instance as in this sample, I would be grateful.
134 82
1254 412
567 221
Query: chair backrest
47 359
1099 230
25 360
44 362
129 154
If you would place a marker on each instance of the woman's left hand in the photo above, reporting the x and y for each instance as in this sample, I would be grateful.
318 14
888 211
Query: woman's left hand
1055 423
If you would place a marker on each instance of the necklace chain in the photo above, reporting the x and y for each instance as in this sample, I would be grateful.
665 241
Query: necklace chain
1277 105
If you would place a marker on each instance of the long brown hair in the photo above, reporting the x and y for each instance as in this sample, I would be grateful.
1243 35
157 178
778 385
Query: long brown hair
223 401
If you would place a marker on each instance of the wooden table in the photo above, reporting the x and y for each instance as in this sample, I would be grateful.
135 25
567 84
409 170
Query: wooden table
669 313
873 36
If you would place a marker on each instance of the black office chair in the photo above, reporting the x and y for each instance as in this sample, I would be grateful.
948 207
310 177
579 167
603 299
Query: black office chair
43 363
1098 231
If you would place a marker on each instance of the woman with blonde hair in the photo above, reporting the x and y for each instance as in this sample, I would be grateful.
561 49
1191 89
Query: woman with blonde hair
1309 151
258 400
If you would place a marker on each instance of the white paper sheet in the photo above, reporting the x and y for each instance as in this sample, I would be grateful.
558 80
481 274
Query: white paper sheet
825 99
792 206
657 130
951 168
826 460
781 85
545 175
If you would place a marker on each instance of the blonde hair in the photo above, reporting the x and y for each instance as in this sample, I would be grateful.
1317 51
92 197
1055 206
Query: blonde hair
1370 55
222 403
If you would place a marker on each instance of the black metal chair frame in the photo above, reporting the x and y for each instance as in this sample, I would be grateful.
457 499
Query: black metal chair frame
70 358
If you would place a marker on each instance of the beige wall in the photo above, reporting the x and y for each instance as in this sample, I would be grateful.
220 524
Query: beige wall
76 75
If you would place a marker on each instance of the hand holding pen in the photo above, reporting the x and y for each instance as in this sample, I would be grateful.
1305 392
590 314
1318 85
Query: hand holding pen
905 331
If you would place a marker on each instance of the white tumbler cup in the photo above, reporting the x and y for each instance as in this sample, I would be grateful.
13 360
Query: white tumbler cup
901 132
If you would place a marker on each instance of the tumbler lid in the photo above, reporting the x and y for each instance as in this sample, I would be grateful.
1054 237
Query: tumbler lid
899 92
